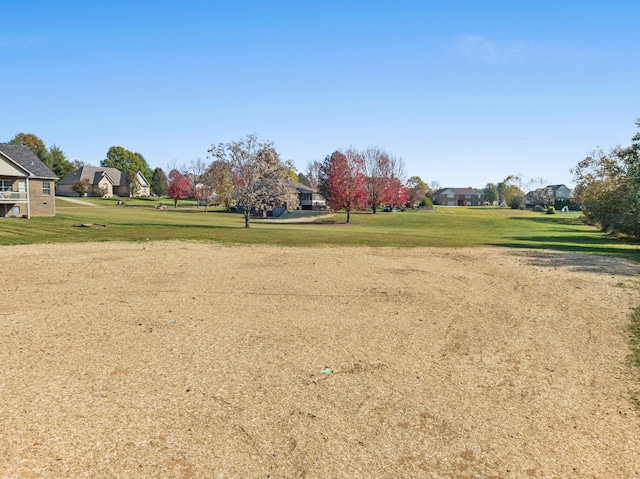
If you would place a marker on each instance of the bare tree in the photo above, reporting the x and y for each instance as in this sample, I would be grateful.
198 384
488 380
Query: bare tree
313 173
196 172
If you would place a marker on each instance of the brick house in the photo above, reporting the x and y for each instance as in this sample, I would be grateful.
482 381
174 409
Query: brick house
548 195
27 186
110 182
458 197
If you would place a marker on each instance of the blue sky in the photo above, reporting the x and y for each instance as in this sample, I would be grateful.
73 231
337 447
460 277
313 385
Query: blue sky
465 92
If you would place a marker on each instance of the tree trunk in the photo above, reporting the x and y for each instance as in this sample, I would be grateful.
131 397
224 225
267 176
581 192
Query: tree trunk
374 209
246 219
348 216
175 203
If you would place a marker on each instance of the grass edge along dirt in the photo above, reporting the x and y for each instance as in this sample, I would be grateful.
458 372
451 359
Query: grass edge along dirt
442 227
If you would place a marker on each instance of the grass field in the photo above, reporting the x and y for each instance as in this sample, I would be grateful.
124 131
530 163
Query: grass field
442 227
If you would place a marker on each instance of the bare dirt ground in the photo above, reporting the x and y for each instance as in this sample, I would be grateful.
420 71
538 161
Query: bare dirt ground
194 361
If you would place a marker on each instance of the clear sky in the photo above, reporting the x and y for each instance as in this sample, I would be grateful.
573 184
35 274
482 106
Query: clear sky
465 92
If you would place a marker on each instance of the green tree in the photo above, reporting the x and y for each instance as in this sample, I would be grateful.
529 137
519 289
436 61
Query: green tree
132 183
125 160
417 189
510 192
490 193
219 175
34 143
608 188
159 182
58 162
302 178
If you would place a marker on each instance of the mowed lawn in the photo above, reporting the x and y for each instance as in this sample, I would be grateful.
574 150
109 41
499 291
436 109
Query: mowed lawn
442 227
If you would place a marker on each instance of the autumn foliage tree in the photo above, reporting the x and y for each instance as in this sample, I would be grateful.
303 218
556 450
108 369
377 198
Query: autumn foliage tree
384 178
81 186
260 177
219 176
179 186
395 192
343 183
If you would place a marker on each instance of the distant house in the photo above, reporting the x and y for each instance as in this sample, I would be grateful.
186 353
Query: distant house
310 198
548 195
458 197
102 181
26 184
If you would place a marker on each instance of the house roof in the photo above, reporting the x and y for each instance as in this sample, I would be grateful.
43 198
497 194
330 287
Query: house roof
459 191
555 188
27 160
93 174
304 188
547 190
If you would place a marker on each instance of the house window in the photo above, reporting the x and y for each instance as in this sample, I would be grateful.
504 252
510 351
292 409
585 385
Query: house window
22 186
46 188
5 185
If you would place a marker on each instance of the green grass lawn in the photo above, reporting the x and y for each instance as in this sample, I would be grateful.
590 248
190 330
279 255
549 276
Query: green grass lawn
442 227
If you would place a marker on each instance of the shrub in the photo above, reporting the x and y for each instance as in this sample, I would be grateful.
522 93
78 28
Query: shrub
426 202
538 209
518 202
551 210
97 191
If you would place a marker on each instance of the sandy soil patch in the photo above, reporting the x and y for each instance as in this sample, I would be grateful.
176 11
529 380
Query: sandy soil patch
192 360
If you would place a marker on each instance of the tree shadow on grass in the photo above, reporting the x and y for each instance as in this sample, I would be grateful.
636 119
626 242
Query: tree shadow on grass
611 264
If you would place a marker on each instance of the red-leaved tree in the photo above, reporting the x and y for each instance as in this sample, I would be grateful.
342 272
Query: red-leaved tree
343 183
179 187
396 193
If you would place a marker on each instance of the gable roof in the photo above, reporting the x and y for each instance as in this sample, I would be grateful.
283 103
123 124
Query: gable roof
94 174
27 160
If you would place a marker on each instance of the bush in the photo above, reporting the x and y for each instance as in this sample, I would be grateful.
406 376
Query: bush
518 203
551 210
572 205
426 202
97 191
538 209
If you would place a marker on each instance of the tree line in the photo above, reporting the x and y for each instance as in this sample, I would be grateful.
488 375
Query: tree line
53 157
250 175
608 188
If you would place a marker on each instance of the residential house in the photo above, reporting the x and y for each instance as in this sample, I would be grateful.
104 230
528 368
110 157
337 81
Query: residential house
102 181
548 195
458 197
310 198
26 184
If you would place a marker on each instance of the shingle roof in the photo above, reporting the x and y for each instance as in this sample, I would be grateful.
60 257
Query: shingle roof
461 191
24 157
94 174
304 188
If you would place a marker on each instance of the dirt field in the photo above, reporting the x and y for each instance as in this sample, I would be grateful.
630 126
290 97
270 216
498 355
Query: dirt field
196 361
